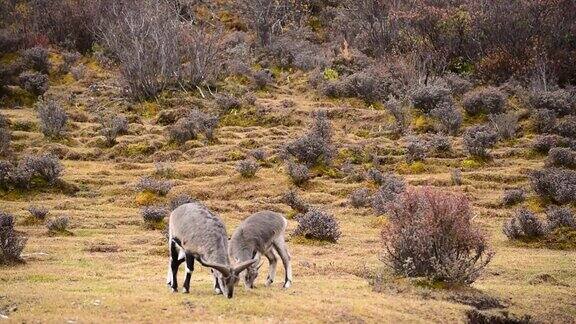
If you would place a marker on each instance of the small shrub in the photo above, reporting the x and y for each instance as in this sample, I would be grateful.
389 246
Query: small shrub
112 127
159 187
479 139
36 58
523 225
560 217
456 177
262 79
227 102
544 121
559 101
429 97
400 112
505 124
298 173
52 118
457 84
38 212
487 100
558 185
415 150
258 154
567 127
6 170
153 214
543 143
376 176
78 72
390 187
448 117
34 82
11 242
164 170
58 224
440 143
366 85
513 197
360 198
315 147
45 167
561 157
5 140
431 234
180 200
292 199
247 168
188 128
318 225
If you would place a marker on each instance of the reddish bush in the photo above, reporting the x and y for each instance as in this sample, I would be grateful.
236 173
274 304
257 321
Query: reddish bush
431 234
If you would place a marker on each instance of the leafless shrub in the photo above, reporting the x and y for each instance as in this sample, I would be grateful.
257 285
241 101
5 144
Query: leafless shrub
292 199
58 224
11 242
360 198
560 217
112 126
479 139
431 234
448 117
247 168
52 118
416 150
558 185
202 55
505 124
523 225
143 38
36 58
38 212
44 167
298 173
153 214
366 85
160 187
34 82
544 120
513 197
543 143
487 100
376 176
429 97
561 157
6 169
318 225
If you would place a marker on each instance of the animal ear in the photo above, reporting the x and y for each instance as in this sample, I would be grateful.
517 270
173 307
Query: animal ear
242 266
216 266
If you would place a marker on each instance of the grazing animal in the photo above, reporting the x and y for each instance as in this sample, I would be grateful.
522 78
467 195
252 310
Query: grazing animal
261 234
195 233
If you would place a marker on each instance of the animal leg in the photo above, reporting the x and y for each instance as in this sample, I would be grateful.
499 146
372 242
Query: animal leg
273 261
189 269
280 246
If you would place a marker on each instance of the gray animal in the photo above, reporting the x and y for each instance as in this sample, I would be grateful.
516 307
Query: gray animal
261 234
197 234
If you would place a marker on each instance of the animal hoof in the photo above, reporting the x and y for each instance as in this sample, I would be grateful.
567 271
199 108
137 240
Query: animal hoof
186 291
287 284
174 290
217 291
268 282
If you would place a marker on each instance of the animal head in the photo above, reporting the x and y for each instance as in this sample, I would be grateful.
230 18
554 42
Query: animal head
227 275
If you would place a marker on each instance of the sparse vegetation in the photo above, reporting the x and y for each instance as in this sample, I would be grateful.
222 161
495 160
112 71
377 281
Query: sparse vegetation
11 242
316 146
112 127
52 118
557 185
478 140
153 214
360 198
488 100
524 225
247 168
298 173
159 187
513 196
58 224
38 212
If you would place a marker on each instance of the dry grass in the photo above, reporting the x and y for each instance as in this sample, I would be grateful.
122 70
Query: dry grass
112 269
